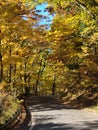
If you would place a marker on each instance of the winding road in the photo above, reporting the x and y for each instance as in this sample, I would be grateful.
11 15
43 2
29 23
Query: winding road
48 114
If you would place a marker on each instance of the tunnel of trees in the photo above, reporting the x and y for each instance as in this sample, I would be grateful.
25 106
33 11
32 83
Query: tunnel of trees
57 59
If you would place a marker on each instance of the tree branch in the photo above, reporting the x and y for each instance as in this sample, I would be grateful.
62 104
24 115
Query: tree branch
87 10
74 83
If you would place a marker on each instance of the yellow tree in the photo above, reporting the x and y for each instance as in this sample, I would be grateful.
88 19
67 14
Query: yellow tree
75 22
17 37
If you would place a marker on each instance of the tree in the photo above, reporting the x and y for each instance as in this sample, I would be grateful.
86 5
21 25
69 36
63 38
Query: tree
73 29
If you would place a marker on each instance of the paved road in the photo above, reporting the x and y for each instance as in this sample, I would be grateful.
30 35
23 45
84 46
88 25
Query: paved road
48 114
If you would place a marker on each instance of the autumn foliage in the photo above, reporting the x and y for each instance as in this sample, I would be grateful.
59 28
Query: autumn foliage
61 60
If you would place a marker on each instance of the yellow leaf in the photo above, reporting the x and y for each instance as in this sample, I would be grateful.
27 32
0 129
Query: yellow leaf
1 86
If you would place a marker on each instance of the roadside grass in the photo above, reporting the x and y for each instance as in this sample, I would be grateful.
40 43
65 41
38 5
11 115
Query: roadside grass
92 109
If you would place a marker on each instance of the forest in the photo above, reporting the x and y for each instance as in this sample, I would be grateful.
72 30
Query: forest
58 59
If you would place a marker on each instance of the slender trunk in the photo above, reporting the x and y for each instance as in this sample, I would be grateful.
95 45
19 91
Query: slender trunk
10 68
14 81
42 67
29 80
25 80
54 86
1 71
14 75
94 50
20 73
1 64
1 68
25 66
37 82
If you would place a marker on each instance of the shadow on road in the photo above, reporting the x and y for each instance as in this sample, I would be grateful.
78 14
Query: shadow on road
49 115
51 126
46 103
57 126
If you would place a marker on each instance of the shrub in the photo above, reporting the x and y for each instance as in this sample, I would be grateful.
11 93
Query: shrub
9 107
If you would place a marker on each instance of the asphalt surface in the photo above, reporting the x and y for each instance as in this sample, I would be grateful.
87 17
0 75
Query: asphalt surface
48 114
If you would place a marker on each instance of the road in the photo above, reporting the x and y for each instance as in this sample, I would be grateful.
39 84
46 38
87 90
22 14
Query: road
48 114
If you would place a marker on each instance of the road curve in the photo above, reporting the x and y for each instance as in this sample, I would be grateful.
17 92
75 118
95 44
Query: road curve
48 114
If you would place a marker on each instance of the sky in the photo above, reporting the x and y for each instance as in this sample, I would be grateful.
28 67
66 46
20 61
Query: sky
47 17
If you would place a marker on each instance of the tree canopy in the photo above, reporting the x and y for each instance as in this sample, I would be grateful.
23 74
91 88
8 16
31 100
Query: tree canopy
60 60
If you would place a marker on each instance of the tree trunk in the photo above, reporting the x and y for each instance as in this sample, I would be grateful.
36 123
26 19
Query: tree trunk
10 68
42 67
25 80
54 86
1 68
1 64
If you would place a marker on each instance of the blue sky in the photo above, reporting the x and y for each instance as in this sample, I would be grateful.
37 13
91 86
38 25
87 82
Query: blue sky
46 18
41 9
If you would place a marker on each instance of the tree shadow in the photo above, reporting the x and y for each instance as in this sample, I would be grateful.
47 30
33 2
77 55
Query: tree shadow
92 125
57 126
51 126
46 103
46 117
